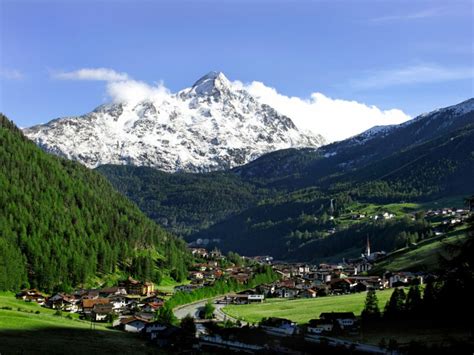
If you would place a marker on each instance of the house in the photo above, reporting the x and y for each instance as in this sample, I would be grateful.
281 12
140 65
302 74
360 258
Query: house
279 326
32 295
255 298
404 279
286 292
63 302
341 285
135 287
100 312
88 305
118 302
112 291
152 307
266 289
319 326
346 320
199 252
133 324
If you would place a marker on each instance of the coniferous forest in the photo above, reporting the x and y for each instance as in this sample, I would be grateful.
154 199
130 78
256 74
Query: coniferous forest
64 225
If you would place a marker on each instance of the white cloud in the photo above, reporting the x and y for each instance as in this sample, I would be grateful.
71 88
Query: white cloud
417 74
335 119
134 91
11 74
120 86
97 74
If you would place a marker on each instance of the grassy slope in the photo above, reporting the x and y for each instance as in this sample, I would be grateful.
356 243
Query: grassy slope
28 332
425 257
302 310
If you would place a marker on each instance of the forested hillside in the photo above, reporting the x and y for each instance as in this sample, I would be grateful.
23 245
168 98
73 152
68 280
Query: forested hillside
280 205
64 225
183 202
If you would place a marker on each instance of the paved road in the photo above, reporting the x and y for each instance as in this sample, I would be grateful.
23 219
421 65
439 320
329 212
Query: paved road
194 308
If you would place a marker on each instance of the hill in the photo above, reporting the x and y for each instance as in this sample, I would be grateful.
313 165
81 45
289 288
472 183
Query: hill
64 225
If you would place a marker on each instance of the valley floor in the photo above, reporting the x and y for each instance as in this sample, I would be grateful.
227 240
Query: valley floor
302 310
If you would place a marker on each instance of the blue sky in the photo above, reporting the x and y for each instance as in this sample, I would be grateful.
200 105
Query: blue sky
409 55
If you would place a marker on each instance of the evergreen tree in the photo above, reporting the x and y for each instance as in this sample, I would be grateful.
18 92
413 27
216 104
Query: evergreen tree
165 315
395 307
413 303
187 324
371 309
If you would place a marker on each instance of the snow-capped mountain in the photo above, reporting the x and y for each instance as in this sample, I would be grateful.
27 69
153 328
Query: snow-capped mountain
419 129
213 125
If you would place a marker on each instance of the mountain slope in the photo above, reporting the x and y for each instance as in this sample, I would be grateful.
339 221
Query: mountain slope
62 225
368 147
294 225
284 195
213 125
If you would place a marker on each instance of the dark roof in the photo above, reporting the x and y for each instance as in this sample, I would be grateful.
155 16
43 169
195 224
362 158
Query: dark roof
337 315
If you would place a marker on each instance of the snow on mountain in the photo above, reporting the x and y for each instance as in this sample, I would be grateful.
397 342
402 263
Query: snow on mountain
213 125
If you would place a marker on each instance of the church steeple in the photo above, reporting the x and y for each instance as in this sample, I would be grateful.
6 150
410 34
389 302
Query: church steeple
367 251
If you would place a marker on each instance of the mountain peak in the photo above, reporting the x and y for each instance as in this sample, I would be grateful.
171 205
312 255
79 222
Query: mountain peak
211 82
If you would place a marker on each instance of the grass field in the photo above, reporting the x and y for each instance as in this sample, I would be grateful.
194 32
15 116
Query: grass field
22 330
425 257
302 310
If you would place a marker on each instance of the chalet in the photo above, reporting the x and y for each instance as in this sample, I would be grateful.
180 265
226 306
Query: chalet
112 291
88 305
279 326
151 307
133 324
266 289
341 286
32 295
100 312
135 287
346 320
303 269
118 302
199 252
63 302
255 298
286 292
320 326
404 279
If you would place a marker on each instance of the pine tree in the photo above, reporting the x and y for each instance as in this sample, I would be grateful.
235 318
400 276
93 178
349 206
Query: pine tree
396 305
371 310
413 303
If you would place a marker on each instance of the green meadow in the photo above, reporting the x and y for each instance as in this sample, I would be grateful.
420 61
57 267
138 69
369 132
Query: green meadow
28 328
302 310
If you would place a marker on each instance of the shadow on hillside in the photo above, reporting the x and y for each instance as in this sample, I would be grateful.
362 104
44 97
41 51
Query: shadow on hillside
72 341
